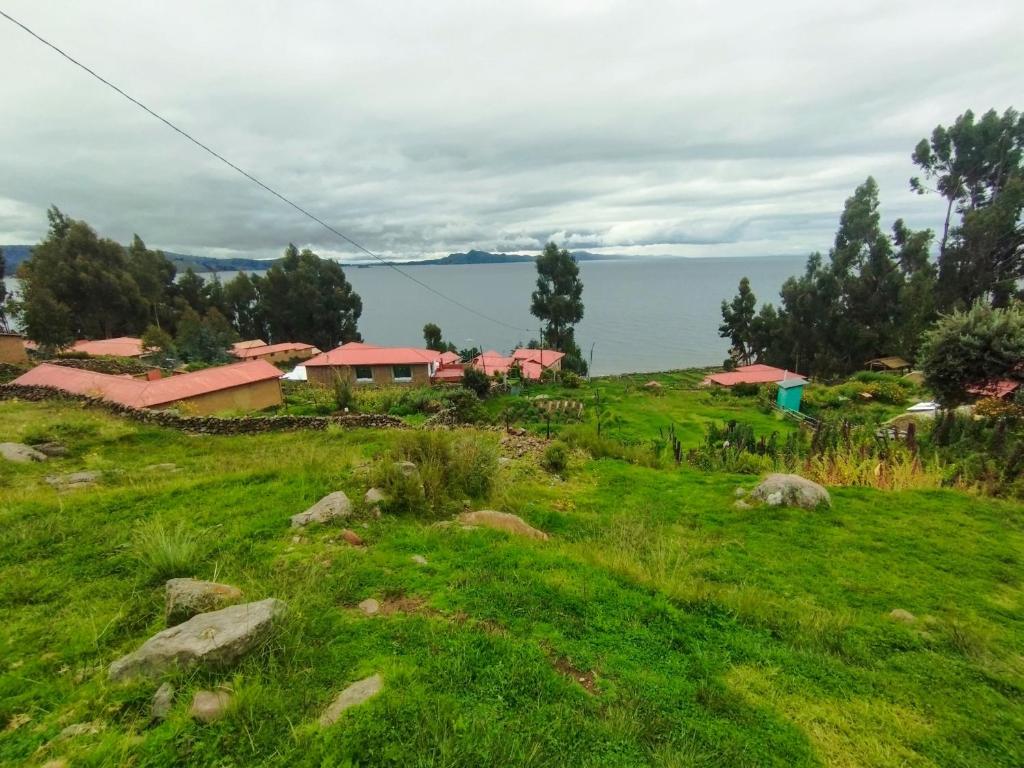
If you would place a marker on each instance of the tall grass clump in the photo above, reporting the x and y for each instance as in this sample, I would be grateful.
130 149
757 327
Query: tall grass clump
450 467
165 551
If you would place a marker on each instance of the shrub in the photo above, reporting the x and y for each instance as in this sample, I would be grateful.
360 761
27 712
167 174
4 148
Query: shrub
464 404
477 381
556 458
164 551
450 467
343 398
571 380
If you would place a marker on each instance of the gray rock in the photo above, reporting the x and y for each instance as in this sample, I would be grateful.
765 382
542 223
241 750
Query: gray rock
407 468
330 507
163 700
74 480
352 696
373 497
80 729
791 490
208 706
51 449
370 607
184 598
419 559
501 521
219 639
20 453
902 616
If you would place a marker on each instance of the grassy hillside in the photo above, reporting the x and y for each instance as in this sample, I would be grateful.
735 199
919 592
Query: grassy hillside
658 626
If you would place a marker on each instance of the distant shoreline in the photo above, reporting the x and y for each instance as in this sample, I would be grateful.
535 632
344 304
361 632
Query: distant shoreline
16 254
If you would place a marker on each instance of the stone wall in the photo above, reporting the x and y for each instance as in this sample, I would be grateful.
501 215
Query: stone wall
113 365
211 425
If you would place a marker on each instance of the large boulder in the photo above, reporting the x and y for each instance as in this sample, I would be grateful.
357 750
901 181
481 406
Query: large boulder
330 507
219 639
20 453
502 521
184 598
352 696
792 491
52 449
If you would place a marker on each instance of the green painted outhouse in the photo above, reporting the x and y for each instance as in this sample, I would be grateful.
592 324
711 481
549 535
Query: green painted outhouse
790 392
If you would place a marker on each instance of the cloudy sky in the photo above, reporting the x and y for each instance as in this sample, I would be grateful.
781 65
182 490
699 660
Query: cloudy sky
675 128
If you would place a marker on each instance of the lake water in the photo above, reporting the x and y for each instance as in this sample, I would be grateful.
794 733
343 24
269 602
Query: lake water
641 315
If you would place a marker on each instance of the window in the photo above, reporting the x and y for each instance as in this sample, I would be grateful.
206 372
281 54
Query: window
364 373
401 372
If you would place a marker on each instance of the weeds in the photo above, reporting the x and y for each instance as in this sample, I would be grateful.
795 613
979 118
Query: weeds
165 551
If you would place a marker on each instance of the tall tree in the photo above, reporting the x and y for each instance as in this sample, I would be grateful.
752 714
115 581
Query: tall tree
242 298
975 165
738 317
82 281
204 339
154 275
306 298
558 303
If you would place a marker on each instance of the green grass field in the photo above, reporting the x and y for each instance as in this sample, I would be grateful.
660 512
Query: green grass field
658 626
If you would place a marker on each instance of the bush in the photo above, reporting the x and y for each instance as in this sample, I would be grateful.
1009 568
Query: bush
476 380
464 404
450 467
556 458
165 552
343 398
571 380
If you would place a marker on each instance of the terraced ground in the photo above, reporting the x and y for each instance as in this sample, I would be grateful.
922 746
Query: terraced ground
657 626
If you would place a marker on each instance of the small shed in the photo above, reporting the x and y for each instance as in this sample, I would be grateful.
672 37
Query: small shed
891 363
791 391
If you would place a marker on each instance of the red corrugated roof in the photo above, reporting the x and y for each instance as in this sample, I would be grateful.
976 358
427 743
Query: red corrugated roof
144 394
996 388
357 353
491 362
750 374
248 344
546 357
449 373
450 358
123 346
247 353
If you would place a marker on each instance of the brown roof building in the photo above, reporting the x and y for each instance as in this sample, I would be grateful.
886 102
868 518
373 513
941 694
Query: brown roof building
12 349
361 364
248 386
276 353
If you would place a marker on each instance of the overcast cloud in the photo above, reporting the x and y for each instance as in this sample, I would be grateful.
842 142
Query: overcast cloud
698 128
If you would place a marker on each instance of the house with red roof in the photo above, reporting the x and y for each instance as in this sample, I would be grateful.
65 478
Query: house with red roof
252 385
274 353
1003 389
368 364
122 346
750 374
531 362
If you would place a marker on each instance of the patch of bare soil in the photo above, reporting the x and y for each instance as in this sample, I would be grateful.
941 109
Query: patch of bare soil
587 679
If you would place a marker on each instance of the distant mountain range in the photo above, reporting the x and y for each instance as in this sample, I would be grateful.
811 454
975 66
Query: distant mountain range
15 254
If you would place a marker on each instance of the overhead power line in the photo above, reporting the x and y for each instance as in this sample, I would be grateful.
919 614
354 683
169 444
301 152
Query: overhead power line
256 181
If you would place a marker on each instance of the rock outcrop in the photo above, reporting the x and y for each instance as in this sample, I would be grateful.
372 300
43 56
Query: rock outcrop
330 507
219 638
791 491
20 453
352 696
502 521
184 598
